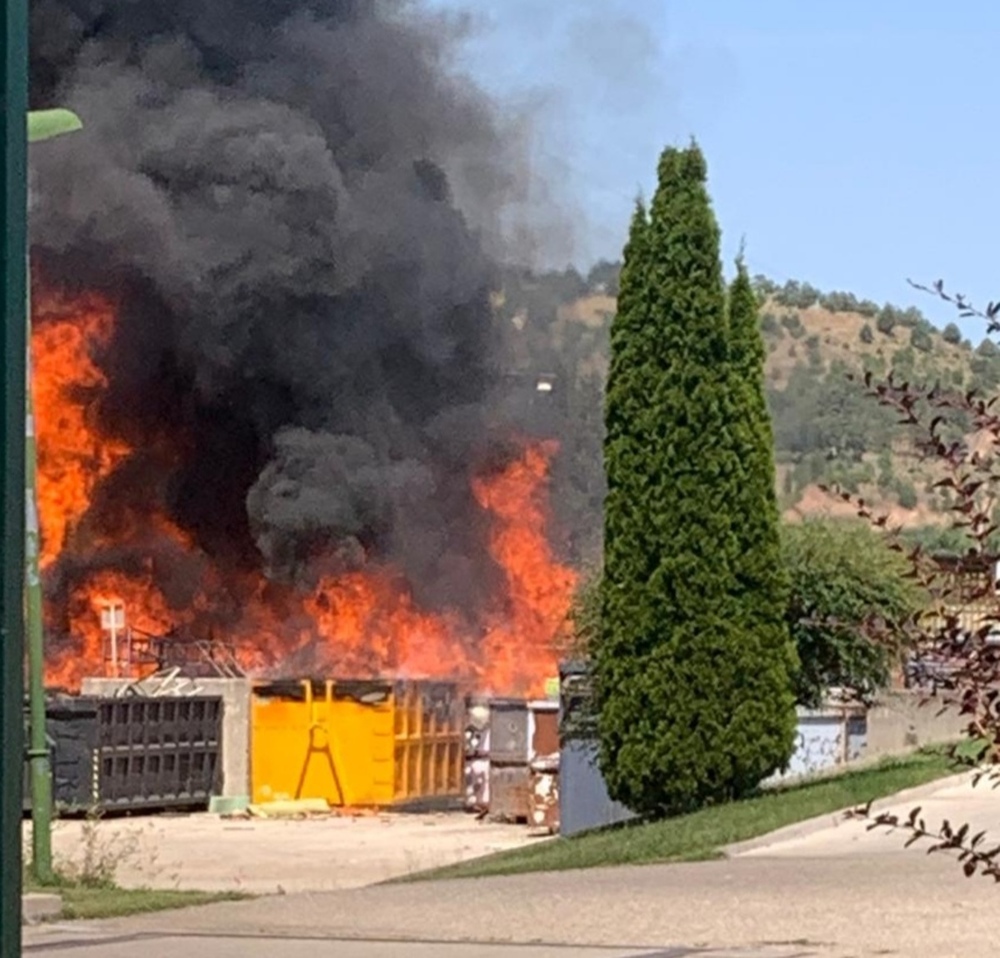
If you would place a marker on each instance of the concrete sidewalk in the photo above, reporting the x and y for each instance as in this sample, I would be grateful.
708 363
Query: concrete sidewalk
955 800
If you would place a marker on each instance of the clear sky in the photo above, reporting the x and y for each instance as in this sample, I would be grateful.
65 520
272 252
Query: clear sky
854 144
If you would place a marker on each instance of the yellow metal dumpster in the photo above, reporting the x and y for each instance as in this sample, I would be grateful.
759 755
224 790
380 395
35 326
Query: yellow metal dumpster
428 742
356 743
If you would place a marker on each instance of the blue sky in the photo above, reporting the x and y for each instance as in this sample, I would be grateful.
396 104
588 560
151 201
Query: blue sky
853 143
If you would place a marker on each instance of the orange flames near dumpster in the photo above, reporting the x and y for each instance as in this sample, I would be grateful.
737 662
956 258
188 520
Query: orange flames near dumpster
362 623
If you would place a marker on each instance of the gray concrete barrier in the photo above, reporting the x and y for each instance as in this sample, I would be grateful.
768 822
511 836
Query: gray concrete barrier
235 694
900 722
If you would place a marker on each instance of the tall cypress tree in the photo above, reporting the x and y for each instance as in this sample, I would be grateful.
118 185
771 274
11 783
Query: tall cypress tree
691 668
761 581
761 575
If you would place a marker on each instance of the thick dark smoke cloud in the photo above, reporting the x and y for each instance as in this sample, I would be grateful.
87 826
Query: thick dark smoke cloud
305 353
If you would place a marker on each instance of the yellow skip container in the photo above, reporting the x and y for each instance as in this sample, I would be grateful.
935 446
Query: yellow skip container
357 743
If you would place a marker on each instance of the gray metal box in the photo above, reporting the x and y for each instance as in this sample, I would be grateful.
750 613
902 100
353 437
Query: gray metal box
510 732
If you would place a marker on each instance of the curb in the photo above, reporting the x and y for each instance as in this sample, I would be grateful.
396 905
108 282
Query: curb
833 819
37 906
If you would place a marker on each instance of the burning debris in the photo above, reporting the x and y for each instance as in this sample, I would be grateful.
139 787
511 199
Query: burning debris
265 361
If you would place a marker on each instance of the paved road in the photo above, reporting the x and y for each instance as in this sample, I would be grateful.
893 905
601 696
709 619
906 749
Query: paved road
84 946
837 892
904 904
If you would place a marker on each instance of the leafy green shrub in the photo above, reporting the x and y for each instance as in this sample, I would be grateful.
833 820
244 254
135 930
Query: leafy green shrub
838 302
764 287
585 615
799 295
921 339
770 324
885 477
885 322
906 493
947 539
874 364
952 334
985 373
841 573
809 469
815 413
793 323
866 335
904 362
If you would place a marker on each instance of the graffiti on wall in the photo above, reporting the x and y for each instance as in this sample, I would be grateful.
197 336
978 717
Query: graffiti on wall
824 740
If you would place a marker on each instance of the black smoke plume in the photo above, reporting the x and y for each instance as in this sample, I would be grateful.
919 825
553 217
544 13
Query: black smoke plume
305 356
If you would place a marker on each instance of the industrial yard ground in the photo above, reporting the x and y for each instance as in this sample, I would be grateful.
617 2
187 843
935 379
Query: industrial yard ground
831 892
260 856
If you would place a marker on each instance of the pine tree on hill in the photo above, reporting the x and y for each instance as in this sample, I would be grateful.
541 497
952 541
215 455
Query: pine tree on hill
691 676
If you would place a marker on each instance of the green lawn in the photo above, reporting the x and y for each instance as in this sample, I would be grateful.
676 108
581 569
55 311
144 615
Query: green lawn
108 901
702 835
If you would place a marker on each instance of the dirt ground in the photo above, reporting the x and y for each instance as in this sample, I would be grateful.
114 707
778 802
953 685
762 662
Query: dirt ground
327 853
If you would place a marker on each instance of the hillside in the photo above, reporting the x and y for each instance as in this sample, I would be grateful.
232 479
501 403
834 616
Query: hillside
826 430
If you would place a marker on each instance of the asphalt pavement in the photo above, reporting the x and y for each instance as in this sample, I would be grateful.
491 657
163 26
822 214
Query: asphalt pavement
210 946
904 904
831 890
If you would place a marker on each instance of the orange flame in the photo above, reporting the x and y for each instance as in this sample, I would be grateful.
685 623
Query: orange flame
519 646
361 624
72 457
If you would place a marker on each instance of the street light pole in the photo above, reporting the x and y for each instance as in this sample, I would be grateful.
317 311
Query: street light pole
13 274
42 125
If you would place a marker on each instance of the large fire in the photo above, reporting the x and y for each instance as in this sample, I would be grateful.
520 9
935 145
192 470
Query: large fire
360 623
72 457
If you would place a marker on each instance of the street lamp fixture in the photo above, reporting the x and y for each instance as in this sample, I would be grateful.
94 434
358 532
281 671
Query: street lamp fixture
42 125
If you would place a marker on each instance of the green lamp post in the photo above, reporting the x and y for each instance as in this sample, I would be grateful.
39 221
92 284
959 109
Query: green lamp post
13 288
42 125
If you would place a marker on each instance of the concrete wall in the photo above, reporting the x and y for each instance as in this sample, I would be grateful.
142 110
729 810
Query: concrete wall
898 723
235 694
825 739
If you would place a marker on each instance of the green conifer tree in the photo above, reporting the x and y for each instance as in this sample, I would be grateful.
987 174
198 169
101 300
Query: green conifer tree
691 674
